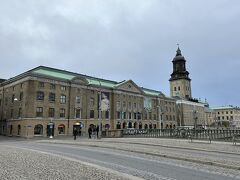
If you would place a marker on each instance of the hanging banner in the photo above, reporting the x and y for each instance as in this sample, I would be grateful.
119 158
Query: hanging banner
105 103
147 103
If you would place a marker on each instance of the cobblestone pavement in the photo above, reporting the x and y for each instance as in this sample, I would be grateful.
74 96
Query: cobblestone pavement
172 148
22 164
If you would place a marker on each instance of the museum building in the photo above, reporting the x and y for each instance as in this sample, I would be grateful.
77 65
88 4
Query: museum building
45 98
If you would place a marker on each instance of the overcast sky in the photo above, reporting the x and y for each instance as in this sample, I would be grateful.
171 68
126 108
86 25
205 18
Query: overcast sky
127 39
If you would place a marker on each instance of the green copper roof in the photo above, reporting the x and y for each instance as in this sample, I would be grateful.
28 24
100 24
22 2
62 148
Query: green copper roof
151 92
100 82
49 72
224 107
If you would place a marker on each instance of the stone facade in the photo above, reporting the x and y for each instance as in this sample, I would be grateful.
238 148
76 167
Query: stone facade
193 114
35 101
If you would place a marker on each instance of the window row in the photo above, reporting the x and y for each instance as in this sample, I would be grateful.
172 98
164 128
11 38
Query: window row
125 115
130 105
52 86
226 112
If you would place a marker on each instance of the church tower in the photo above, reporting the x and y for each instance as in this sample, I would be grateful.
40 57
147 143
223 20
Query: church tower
180 83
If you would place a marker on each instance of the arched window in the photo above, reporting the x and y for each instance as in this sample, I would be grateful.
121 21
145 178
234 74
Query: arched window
150 126
38 129
19 130
129 125
140 125
107 126
145 126
135 125
154 126
61 129
124 125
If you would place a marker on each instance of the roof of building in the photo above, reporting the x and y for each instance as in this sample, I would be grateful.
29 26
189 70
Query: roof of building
225 107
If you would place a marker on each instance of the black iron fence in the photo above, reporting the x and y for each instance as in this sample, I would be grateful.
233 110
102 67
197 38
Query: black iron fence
208 134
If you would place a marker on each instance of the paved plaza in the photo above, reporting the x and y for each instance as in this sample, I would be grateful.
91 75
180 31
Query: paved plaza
222 157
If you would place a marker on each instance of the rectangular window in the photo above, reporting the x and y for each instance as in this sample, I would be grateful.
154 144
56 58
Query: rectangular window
226 112
13 97
124 115
11 113
135 105
21 85
51 97
51 112
62 113
135 115
19 112
39 112
118 115
41 84
118 104
231 112
129 105
52 86
78 99
91 102
91 114
139 116
63 99
150 115
40 95
130 115
155 117
63 88
107 114
78 113
124 104
21 96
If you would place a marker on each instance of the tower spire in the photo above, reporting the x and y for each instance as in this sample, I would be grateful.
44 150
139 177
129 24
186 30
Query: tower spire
179 53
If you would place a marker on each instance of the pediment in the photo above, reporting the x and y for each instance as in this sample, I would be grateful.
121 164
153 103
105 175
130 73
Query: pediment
129 86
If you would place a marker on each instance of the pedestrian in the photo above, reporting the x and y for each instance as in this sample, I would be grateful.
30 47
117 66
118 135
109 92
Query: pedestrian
94 132
89 132
75 133
97 130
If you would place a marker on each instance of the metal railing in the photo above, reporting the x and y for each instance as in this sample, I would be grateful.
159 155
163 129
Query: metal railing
185 133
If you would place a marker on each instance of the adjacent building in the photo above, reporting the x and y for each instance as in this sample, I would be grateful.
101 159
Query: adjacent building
227 116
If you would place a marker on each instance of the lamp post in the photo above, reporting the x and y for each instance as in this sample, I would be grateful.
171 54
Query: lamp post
100 115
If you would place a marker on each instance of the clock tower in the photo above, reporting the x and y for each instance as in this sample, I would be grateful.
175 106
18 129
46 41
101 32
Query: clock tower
180 83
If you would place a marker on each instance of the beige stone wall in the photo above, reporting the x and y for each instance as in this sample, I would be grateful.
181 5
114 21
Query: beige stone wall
190 113
184 86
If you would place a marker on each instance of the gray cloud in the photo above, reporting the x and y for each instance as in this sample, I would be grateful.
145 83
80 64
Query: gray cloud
122 39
